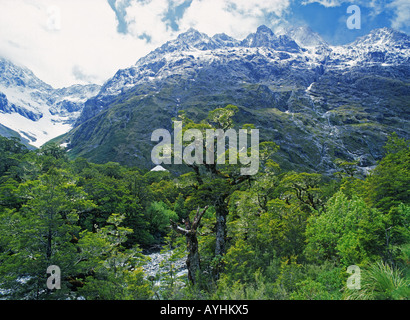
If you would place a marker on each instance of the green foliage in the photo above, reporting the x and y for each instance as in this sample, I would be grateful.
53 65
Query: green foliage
167 284
258 289
380 281
388 184
283 225
310 290
239 265
349 231
179 207
116 273
286 234
305 187
291 274
221 118
11 151
40 234
158 215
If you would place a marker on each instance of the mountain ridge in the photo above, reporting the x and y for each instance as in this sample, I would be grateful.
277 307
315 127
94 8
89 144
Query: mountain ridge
33 108
317 101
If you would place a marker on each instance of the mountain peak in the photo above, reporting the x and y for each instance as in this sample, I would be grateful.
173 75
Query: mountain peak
34 109
384 36
385 31
304 36
388 33
192 34
264 37
12 74
192 38
264 29
224 40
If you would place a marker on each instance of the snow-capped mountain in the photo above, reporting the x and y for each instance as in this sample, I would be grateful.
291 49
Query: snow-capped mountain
265 38
317 101
33 108
300 50
381 46
299 47
304 36
193 51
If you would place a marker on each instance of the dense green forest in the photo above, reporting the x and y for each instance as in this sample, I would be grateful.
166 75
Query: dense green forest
274 235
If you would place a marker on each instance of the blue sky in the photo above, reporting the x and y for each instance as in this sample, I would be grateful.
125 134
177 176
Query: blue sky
83 41
327 17
330 22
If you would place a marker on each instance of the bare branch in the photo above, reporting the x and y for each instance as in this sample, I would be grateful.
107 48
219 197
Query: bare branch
178 229
198 217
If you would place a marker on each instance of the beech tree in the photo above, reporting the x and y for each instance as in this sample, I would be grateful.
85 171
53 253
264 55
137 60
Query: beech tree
112 271
42 233
213 183
190 232
349 231
388 184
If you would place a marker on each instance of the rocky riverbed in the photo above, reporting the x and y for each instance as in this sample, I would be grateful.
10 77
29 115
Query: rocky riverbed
160 263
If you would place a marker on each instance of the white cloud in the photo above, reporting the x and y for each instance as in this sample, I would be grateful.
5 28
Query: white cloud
65 42
401 20
214 16
325 3
147 18
375 5
85 38
234 17
400 9
258 8
237 18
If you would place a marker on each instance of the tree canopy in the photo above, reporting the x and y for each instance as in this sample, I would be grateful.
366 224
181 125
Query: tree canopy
273 235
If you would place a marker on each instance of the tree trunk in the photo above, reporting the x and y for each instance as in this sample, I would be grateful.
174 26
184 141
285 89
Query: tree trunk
220 232
220 245
193 261
49 244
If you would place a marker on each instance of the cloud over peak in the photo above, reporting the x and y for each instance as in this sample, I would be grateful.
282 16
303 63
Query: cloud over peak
66 42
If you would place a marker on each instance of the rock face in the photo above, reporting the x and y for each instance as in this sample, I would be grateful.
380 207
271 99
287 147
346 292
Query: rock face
318 102
34 109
